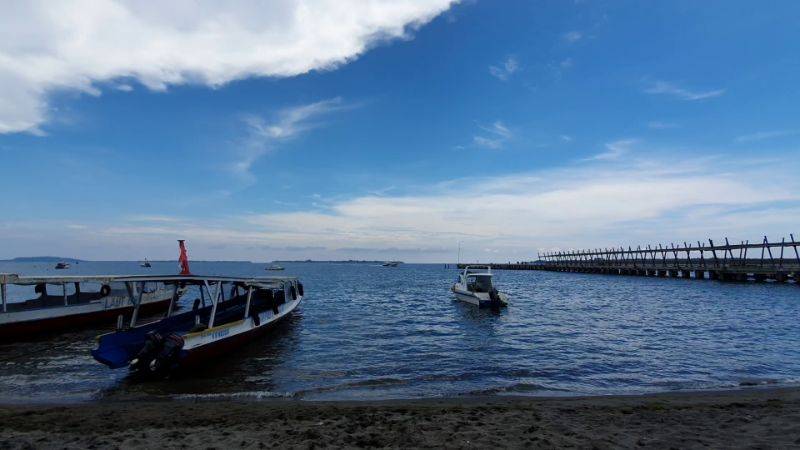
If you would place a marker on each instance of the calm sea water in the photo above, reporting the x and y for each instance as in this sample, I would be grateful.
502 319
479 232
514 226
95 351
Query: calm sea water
370 332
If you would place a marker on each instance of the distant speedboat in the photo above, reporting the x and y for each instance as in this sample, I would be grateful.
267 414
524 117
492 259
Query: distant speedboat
391 264
474 286
62 265
146 263
273 267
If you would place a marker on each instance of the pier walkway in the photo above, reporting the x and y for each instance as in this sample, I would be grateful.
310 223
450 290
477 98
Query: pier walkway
778 261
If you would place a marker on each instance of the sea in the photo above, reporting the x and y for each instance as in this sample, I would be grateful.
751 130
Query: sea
366 332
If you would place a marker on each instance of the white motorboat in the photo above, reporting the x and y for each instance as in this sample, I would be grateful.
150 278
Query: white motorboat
474 286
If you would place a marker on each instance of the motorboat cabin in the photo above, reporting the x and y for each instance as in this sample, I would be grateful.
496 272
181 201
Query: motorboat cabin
474 286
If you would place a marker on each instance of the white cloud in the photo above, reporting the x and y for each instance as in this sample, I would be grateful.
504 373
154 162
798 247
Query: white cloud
504 71
495 138
572 36
667 88
763 135
263 135
49 45
614 150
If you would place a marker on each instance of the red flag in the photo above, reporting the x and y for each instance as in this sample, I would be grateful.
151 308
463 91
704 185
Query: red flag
183 259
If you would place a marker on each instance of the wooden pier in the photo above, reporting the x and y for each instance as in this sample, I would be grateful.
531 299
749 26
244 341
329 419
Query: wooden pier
778 261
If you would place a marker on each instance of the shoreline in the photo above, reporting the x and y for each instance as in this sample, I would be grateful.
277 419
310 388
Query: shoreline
753 416
301 398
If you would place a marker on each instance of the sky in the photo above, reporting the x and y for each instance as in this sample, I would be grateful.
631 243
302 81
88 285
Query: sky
354 129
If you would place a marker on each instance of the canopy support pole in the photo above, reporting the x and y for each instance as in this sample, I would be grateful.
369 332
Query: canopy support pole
246 306
3 294
136 299
64 291
214 302
172 300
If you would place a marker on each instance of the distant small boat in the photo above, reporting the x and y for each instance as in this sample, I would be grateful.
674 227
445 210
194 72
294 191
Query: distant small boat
273 267
62 265
391 263
474 286
145 263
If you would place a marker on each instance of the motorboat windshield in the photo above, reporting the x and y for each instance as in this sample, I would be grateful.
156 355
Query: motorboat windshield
479 283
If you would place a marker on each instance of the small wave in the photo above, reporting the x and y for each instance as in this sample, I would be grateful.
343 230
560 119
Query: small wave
249 395
516 389
758 382
369 384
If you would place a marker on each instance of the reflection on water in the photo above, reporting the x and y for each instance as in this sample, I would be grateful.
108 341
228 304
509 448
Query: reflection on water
367 332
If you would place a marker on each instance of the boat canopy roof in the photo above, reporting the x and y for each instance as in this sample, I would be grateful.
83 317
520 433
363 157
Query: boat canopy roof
478 270
10 278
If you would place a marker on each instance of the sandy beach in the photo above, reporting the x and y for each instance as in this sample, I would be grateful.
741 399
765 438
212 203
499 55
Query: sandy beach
750 418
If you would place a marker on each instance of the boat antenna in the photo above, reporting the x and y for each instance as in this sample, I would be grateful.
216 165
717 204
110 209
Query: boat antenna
183 259
458 261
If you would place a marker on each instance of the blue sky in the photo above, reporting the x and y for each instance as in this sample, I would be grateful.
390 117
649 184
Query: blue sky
293 129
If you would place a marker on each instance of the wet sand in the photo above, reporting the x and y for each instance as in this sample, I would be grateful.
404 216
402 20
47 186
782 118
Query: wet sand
749 418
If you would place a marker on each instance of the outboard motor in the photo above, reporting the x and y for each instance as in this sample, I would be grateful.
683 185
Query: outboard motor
168 354
494 296
300 288
153 342
158 354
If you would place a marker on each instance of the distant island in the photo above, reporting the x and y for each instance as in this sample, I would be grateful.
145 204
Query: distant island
47 259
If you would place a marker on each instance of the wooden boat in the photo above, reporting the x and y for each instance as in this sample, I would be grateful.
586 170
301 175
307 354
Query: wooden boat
62 265
474 286
229 312
273 267
391 264
33 305
145 263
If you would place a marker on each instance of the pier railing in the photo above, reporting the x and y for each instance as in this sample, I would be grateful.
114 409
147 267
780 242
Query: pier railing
777 260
